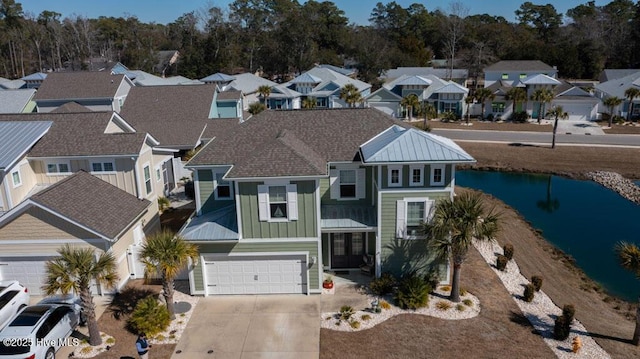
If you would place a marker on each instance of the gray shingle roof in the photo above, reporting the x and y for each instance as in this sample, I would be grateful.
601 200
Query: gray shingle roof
16 138
262 147
230 95
93 203
424 71
174 115
78 85
80 134
519 65
14 101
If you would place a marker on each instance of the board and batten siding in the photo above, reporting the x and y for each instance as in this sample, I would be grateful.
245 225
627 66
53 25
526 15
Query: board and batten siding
426 174
28 181
325 190
402 255
207 198
239 248
304 227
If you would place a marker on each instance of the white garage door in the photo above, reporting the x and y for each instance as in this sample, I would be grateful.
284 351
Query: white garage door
577 111
31 273
256 275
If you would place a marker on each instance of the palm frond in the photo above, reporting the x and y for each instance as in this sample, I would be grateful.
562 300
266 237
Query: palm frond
629 256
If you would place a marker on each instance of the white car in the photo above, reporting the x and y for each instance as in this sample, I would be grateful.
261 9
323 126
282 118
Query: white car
13 297
39 331
68 299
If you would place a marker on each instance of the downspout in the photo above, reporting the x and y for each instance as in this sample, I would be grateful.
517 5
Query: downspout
6 190
135 176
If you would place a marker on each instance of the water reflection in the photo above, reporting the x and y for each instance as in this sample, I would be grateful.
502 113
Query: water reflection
549 204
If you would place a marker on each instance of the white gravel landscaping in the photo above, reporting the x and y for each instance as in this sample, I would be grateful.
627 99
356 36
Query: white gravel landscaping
541 312
173 333
432 310
85 350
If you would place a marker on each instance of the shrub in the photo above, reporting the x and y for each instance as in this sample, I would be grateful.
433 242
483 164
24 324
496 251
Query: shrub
346 312
256 107
501 262
561 328
149 317
445 288
461 307
163 203
529 292
383 285
432 278
413 293
490 117
569 312
86 350
520 117
365 317
355 324
442 305
463 292
385 305
508 250
448 117
468 302
536 280
110 341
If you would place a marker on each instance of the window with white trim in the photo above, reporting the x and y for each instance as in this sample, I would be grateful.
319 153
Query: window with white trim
505 76
158 175
147 179
102 167
278 202
223 188
58 167
395 176
416 176
15 176
347 183
437 175
411 213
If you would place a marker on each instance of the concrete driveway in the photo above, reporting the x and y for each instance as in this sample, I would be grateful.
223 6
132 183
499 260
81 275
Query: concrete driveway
253 326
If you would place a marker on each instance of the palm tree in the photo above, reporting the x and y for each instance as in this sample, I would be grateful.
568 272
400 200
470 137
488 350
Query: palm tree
454 225
309 103
73 271
256 107
612 103
629 257
427 111
482 95
166 254
410 102
264 91
469 100
516 95
543 96
557 112
350 94
631 93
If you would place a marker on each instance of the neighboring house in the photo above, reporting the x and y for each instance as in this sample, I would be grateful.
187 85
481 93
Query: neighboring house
576 102
501 107
458 76
227 104
98 91
141 78
289 195
179 117
617 88
82 211
11 84
17 101
324 85
284 98
612 74
516 70
445 96
100 143
219 79
16 140
341 70
249 84
34 80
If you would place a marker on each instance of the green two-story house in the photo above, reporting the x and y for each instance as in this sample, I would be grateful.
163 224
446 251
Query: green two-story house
288 195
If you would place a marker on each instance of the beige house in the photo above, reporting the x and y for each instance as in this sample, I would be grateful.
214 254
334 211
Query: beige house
80 210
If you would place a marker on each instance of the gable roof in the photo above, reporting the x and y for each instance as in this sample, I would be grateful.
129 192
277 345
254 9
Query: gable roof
294 143
520 65
231 95
16 138
306 78
540 79
174 115
218 77
414 80
612 74
80 134
424 71
617 87
399 144
249 83
324 77
36 76
71 107
79 85
12 84
93 203
15 101
340 70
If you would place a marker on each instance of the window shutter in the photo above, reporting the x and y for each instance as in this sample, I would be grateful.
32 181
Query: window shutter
401 223
263 202
292 202
334 184
361 183
428 211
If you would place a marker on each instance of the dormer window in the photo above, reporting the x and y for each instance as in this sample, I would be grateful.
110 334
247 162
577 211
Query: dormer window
437 175
416 176
395 176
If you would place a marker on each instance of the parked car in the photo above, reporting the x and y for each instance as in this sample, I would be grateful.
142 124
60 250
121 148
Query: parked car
38 331
68 299
13 297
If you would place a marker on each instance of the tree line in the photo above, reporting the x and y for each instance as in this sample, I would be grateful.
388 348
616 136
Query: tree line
282 37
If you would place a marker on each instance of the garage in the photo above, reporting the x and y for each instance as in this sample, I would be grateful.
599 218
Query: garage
272 274
577 111
30 273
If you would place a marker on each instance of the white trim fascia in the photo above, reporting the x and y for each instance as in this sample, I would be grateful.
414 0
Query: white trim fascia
120 120
319 264
192 284
278 240
161 149
134 221
378 252
238 210
29 255
7 192
204 275
283 178
52 241
209 241
408 190
83 157
417 162
349 230
196 188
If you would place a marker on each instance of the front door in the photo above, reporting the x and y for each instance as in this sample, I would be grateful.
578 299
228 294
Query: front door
346 250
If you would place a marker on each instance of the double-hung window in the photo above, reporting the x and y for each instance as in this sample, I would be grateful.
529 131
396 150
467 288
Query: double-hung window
395 176
222 187
411 214
416 177
437 175
347 183
54 167
102 167
278 202
15 176
147 179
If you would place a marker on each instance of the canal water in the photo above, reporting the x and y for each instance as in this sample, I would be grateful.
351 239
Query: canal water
582 218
